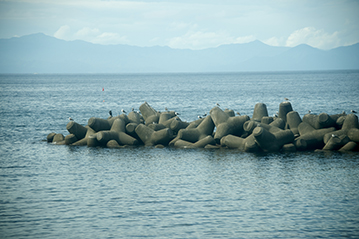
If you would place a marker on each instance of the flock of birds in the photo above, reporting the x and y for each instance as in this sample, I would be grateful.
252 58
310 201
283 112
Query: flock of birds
205 114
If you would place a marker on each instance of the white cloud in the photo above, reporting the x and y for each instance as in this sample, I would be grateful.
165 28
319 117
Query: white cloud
201 39
87 34
108 38
313 37
244 39
93 35
273 41
63 33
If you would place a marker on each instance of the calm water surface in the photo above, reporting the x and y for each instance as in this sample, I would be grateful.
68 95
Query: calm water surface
55 191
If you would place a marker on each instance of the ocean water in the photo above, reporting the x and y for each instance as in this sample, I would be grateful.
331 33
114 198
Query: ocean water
53 191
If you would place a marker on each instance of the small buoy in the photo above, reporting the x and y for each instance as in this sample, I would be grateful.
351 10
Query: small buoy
103 89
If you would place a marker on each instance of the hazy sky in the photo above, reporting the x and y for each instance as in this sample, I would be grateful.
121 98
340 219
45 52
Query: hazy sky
194 24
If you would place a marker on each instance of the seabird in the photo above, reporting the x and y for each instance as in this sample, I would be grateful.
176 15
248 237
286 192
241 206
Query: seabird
275 115
217 104
286 99
176 113
166 109
333 136
133 109
199 117
71 119
238 113
353 111
123 111
309 111
110 112
205 114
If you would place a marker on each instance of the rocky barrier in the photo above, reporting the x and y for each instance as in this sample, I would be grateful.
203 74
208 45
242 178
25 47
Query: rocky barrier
286 131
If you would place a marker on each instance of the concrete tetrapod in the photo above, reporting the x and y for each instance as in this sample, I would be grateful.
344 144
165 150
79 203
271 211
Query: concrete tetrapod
350 146
117 132
267 120
244 144
208 140
350 122
150 137
323 120
166 119
260 111
178 124
227 125
269 142
336 142
58 139
99 124
70 139
278 122
78 130
149 114
192 135
313 137
50 137
353 134
134 117
293 120
83 141
284 109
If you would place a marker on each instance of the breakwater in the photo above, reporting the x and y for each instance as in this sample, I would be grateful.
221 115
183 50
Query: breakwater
284 131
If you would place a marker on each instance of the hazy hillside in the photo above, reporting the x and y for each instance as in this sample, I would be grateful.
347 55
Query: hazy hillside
44 54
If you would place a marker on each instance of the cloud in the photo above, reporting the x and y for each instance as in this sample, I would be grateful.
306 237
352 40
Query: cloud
273 41
108 38
196 40
313 37
63 33
87 33
93 35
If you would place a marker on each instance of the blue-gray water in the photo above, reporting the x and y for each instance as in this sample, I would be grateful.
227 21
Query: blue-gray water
53 191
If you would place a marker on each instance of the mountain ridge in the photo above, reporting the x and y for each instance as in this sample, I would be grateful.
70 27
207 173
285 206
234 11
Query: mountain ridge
41 53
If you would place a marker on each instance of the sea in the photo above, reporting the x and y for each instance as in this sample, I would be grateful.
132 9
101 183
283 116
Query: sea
58 191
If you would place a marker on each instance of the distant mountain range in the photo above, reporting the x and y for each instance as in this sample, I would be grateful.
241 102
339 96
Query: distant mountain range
39 53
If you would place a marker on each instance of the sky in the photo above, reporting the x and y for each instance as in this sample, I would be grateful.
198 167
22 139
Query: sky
186 24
